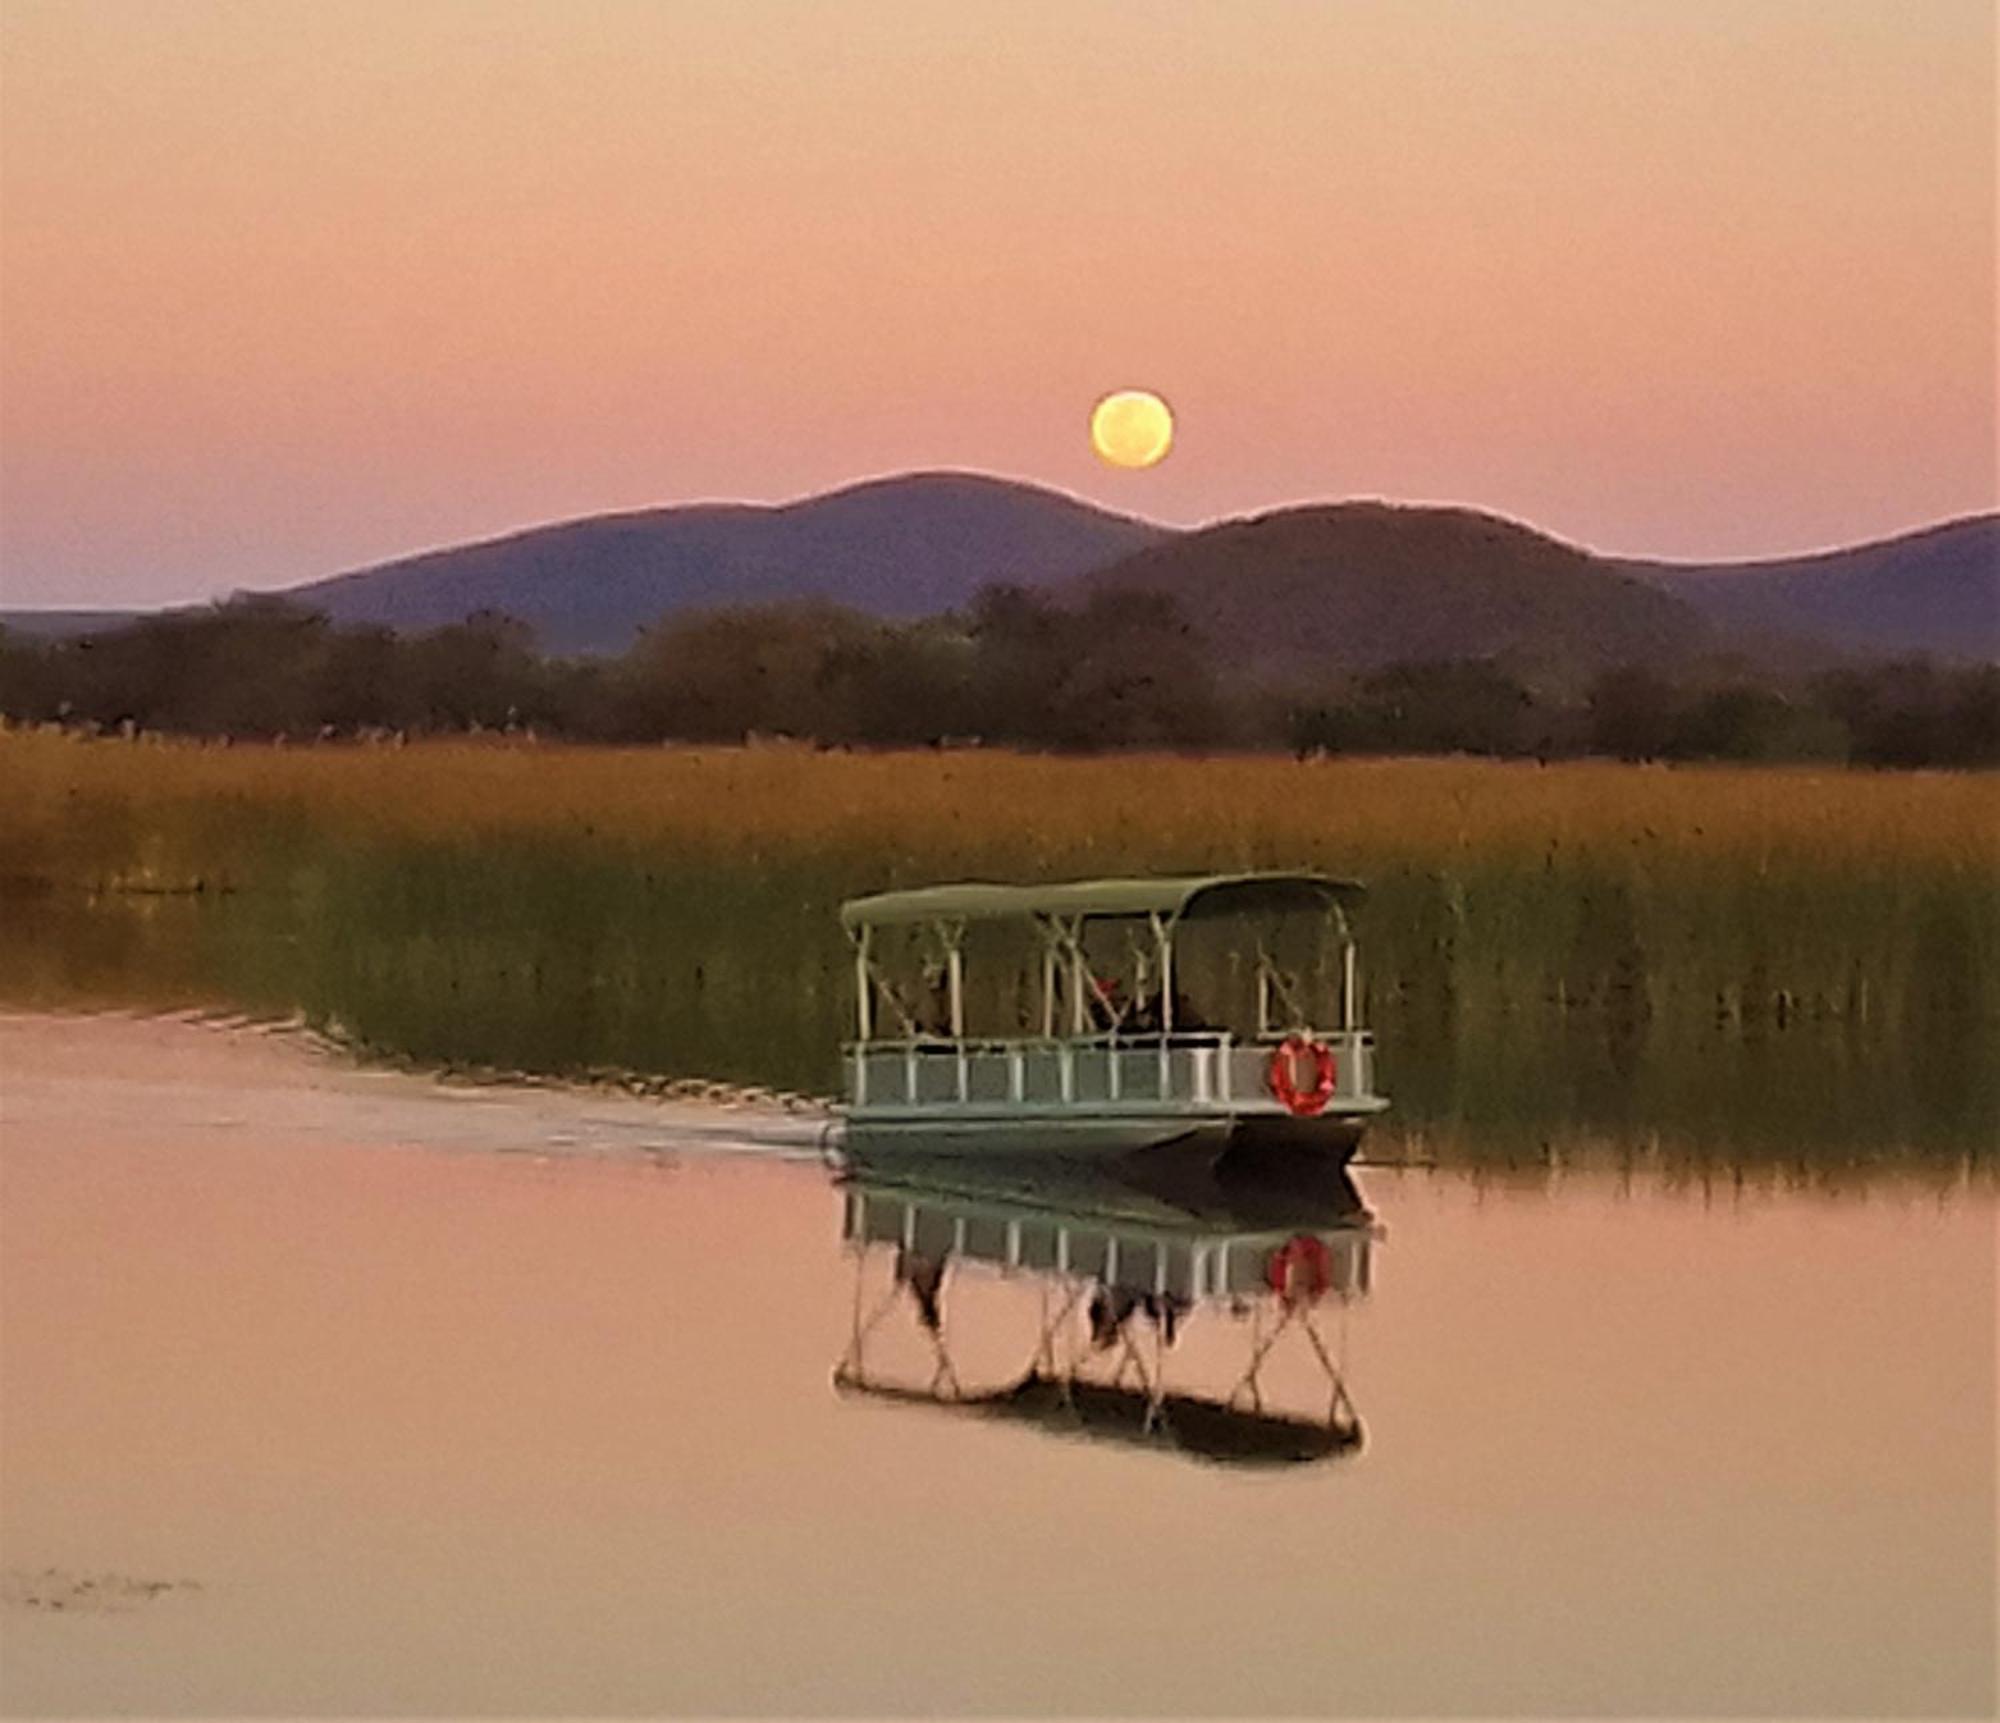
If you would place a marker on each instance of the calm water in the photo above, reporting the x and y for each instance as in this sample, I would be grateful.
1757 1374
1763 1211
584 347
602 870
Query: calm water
423 1400
1498 1044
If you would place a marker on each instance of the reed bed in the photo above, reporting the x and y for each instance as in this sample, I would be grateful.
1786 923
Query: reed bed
1798 955
90 812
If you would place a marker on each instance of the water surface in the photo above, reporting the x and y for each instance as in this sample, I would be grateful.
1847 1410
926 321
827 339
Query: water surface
1511 1043
435 1401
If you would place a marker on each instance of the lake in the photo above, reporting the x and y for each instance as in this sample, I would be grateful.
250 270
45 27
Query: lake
401 1319
1501 1045
338 1390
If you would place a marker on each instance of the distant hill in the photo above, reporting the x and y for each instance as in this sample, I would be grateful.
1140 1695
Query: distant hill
1353 586
1935 591
63 624
1345 585
901 547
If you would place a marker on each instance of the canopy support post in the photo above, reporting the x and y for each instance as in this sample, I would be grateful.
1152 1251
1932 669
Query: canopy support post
1048 986
1164 939
864 1015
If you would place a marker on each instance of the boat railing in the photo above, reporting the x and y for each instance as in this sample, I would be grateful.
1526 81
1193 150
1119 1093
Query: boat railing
1202 1068
1188 1262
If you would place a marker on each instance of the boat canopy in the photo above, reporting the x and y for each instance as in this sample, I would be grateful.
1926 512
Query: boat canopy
1175 898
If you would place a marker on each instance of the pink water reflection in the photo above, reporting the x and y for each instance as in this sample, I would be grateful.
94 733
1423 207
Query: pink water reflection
458 1431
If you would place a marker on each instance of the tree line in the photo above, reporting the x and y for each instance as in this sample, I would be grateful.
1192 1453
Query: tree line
1015 669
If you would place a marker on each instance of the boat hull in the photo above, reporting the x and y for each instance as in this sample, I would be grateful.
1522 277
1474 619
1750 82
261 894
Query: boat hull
1331 1137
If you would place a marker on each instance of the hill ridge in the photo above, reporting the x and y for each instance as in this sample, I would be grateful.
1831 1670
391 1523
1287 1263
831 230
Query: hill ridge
896 546
1934 589
902 545
703 508
1350 586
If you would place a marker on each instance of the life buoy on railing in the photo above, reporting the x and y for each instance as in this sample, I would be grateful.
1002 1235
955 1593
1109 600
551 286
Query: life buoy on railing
1300 1271
1284 1075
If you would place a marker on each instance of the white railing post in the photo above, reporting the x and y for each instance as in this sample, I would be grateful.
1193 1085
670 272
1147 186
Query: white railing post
864 987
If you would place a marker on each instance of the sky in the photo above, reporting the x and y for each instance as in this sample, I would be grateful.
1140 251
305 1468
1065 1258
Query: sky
288 287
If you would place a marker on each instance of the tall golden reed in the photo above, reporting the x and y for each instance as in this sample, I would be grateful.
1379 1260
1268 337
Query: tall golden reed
86 813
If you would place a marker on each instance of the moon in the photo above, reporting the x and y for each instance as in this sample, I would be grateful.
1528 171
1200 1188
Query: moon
1132 428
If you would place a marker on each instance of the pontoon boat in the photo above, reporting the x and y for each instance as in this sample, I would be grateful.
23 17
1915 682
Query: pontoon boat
1095 1030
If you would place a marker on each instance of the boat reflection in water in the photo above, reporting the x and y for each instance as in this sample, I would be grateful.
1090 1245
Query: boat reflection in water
1125 1258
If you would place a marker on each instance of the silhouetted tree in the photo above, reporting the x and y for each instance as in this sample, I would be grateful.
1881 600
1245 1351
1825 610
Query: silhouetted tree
1633 714
721 675
1460 706
1916 714
30 685
1133 674
479 674
1120 670
1126 670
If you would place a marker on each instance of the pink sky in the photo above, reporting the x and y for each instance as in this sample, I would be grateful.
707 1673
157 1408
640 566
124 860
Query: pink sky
287 288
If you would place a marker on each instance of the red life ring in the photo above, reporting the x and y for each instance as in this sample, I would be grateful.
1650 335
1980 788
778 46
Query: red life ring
1300 1271
1283 1074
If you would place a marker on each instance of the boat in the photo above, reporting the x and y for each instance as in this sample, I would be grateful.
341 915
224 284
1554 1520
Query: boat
1124 1265
1102 1034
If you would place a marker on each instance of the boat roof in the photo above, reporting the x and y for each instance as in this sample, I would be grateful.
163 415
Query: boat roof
1175 897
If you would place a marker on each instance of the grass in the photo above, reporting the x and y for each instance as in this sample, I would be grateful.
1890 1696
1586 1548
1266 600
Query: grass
90 811
1620 946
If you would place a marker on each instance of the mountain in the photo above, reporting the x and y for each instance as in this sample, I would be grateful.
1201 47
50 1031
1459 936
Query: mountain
899 547
1343 585
1935 591
1353 586
63 624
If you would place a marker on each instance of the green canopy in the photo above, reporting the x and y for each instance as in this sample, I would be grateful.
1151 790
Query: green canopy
1176 898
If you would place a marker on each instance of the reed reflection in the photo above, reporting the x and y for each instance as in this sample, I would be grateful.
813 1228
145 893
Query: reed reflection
1161 1302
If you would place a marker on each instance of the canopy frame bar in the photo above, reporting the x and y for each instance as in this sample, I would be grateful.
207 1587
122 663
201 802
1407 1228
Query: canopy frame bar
1060 914
1173 899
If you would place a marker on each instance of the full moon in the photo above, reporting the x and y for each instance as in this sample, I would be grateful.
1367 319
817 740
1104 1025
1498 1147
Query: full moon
1133 428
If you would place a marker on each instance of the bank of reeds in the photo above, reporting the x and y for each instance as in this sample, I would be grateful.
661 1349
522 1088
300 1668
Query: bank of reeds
80 812
1611 942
